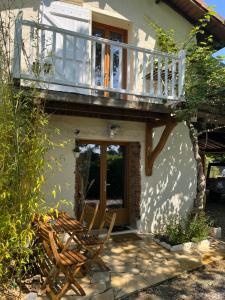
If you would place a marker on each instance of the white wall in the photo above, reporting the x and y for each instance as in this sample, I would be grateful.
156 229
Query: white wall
131 15
127 14
171 188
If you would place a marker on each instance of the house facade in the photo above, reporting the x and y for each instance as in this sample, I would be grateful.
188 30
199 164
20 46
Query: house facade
111 94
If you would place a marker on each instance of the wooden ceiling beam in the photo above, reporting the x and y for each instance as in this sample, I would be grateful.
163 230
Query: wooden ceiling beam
110 102
106 112
158 123
216 144
219 151
148 147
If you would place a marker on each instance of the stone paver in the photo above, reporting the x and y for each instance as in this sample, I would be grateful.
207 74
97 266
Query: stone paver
136 265
107 295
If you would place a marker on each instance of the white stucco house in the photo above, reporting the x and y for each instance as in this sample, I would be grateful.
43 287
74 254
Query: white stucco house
111 94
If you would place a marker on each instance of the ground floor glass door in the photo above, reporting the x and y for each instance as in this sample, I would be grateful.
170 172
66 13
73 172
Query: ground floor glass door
102 169
116 181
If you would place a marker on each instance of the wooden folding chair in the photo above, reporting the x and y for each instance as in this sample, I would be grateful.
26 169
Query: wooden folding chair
65 222
57 261
86 222
93 243
88 215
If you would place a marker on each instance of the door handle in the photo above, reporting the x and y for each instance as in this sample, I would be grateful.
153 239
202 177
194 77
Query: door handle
106 184
105 76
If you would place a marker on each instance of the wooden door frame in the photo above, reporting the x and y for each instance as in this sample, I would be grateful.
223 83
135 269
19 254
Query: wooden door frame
124 33
125 212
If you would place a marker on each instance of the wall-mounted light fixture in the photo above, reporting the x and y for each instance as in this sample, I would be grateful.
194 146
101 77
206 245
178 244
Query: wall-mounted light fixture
76 149
113 130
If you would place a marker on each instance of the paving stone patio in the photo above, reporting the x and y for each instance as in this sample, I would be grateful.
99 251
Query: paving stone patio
135 265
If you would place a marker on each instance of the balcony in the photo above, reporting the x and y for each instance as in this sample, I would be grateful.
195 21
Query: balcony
68 61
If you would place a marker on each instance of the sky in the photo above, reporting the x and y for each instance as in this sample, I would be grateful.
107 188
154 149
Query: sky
220 9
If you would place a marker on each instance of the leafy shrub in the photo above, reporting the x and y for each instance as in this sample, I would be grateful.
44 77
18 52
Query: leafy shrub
190 229
198 228
174 232
24 143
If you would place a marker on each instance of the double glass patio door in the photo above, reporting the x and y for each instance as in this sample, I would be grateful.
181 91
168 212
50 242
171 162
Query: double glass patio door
102 168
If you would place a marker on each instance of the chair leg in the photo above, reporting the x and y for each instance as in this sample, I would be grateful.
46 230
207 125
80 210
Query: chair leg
52 274
85 268
67 286
96 258
64 289
51 293
78 289
59 295
101 264
99 259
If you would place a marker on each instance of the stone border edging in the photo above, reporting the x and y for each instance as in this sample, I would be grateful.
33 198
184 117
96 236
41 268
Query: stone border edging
189 246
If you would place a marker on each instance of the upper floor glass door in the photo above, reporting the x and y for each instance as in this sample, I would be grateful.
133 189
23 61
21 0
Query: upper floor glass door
112 58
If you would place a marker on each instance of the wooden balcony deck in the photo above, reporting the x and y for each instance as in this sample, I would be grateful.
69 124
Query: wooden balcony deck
71 62
59 102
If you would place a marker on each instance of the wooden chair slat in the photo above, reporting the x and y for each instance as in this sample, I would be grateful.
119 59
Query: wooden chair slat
71 257
58 260
89 210
65 260
94 244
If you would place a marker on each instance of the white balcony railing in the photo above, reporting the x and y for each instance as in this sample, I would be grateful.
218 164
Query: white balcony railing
90 65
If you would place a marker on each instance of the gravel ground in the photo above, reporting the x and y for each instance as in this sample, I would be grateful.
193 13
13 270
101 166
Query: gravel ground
206 283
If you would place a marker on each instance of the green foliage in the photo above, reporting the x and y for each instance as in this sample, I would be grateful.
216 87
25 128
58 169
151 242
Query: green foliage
174 232
205 75
165 39
191 229
210 158
23 144
198 228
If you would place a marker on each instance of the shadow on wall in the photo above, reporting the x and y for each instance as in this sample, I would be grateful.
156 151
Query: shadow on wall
172 188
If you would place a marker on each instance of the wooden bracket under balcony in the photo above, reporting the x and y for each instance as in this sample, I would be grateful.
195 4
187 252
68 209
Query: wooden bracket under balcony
150 153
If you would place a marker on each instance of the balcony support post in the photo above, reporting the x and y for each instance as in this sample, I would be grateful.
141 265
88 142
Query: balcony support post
152 153
181 73
17 46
